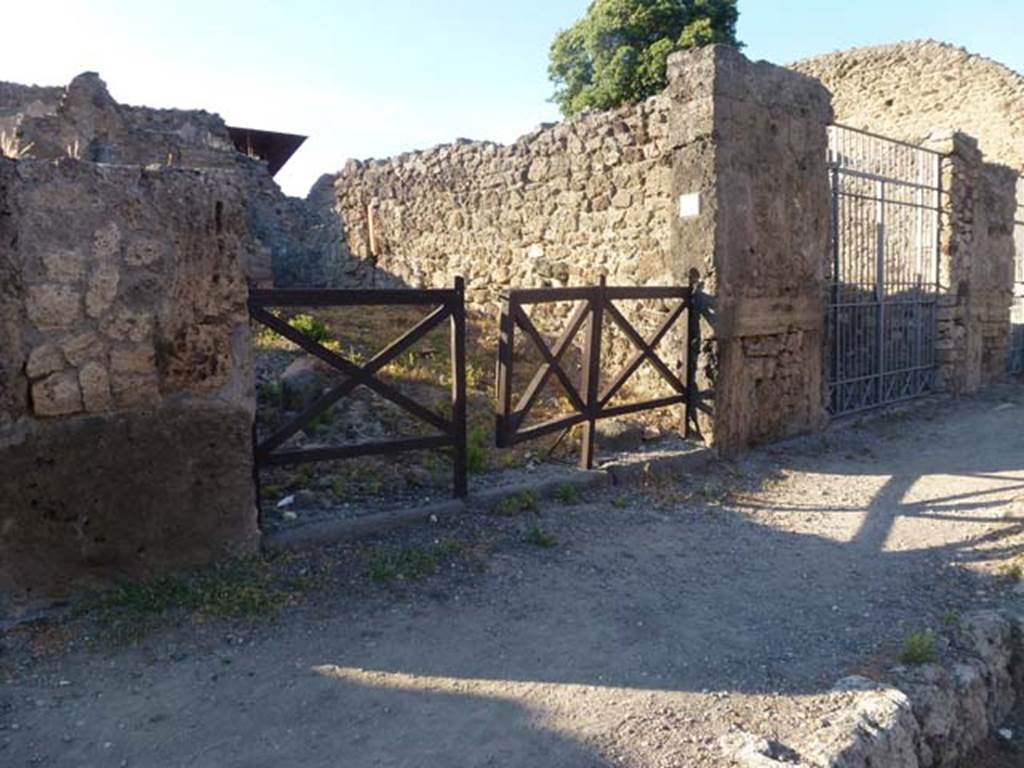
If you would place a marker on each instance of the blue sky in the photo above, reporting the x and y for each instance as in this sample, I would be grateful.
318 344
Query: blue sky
371 78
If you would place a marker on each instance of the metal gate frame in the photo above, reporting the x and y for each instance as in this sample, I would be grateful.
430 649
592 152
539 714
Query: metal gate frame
884 269
1015 347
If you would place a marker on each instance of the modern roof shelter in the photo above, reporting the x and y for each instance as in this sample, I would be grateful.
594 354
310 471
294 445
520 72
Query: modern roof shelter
276 148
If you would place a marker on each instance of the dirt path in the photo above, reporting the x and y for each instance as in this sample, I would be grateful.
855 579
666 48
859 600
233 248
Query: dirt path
664 618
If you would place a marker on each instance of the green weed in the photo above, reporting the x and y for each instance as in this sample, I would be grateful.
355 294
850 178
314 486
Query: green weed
476 449
269 392
475 377
522 502
919 648
310 326
243 587
539 538
567 493
411 563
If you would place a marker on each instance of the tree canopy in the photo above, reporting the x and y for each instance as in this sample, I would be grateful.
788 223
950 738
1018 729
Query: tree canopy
617 53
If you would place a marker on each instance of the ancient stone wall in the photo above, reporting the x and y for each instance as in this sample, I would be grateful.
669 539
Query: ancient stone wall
126 380
600 196
927 92
759 239
560 206
83 121
908 90
976 254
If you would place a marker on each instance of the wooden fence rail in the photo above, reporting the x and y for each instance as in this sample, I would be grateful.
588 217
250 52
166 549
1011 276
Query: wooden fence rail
449 304
590 402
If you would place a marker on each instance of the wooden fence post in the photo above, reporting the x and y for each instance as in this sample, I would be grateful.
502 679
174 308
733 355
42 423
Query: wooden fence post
506 328
458 344
592 373
690 428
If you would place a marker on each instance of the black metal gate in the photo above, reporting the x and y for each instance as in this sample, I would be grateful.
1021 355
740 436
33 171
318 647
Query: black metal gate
1015 363
883 271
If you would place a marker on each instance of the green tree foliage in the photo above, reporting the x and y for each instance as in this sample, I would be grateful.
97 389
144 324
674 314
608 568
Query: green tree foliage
616 53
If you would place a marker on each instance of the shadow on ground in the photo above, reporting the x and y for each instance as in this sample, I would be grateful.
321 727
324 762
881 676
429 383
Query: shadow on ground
659 621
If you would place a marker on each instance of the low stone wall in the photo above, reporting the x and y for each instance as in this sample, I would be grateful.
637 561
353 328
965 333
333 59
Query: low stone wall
126 378
933 714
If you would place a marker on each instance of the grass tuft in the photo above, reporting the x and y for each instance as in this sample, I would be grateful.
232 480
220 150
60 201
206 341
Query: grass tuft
11 146
567 493
476 449
511 505
240 588
539 538
1014 570
310 326
411 563
919 648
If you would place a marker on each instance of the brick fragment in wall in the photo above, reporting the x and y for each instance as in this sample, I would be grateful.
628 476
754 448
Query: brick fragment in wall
53 305
82 347
44 360
57 395
94 382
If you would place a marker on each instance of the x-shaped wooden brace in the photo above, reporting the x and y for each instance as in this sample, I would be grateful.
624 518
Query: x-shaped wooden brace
645 351
552 362
356 375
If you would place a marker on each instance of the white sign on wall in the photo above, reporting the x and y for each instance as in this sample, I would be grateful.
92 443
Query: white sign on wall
689 205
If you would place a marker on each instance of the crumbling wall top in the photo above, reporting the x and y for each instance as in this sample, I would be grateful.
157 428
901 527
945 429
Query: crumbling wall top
908 90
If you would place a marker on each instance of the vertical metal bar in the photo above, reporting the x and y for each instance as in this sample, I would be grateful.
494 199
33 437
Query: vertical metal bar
880 289
835 289
690 426
458 352
503 380
592 373
936 251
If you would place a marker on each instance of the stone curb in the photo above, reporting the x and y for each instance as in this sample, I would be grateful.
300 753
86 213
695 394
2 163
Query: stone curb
326 532
487 499
621 470
933 715
631 469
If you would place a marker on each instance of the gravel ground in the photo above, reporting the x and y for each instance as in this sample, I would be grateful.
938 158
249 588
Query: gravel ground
641 627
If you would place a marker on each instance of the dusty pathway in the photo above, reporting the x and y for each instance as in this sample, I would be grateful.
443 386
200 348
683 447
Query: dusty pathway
664 618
